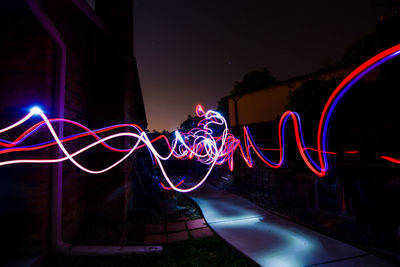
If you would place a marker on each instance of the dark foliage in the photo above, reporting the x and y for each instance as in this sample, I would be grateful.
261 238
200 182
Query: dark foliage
361 50
254 80
308 100
190 123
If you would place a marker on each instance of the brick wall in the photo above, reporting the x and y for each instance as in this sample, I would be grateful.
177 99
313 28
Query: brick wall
101 90
26 77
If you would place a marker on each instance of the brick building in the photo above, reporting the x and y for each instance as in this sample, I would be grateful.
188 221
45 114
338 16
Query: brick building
75 59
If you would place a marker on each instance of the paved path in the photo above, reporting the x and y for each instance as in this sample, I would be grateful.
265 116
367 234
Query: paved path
271 240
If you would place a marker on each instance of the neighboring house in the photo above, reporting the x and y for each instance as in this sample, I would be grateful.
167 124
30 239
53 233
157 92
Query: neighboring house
75 59
267 104
261 110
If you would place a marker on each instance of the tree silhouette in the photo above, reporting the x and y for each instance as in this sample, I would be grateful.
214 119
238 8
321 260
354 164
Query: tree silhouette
190 123
254 80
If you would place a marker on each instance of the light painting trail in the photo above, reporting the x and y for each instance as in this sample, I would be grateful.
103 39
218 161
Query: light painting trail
199 143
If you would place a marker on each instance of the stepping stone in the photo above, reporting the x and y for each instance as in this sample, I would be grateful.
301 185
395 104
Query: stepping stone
196 224
155 239
178 236
176 226
200 233
154 229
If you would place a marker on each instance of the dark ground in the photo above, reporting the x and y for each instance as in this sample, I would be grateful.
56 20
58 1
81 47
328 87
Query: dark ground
207 251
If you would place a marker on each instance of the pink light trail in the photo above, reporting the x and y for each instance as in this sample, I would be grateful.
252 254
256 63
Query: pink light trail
200 142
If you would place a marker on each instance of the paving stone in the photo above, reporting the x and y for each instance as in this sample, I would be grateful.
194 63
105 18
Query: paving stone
154 229
196 224
155 239
202 232
184 218
178 236
176 226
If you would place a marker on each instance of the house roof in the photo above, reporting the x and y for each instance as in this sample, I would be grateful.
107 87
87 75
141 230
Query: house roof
297 78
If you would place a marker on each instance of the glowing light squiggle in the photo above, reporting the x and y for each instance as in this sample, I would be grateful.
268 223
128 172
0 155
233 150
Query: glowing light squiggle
200 142
205 149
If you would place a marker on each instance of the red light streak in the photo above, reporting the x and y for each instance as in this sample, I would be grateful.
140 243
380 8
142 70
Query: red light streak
352 152
198 143
390 159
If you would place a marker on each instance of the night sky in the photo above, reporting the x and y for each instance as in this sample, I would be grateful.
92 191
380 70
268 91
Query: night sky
192 52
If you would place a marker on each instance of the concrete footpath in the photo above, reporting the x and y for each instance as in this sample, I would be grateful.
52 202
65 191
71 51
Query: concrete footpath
271 240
